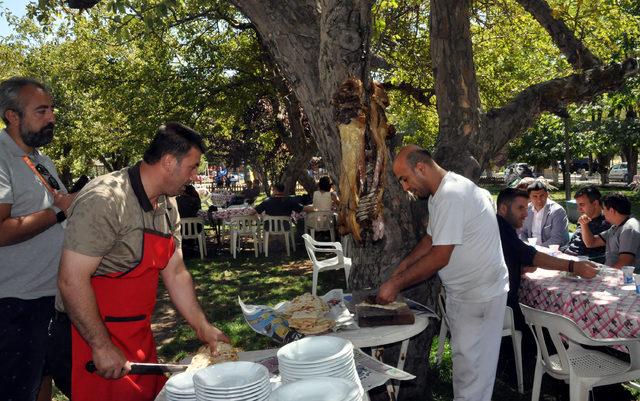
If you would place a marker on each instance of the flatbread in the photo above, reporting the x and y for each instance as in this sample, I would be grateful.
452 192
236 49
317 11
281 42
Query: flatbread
389 306
306 313
306 303
204 357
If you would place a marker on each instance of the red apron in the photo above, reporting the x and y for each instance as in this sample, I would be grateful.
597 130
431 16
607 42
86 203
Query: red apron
126 302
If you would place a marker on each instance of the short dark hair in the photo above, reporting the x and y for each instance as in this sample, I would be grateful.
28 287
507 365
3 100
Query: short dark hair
324 184
537 185
590 191
174 139
419 155
279 187
618 202
508 195
10 94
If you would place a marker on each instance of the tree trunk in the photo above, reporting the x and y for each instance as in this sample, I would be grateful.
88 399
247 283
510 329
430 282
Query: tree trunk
316 52
603 167
456 88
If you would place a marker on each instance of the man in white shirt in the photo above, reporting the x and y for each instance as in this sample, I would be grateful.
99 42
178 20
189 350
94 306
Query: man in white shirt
463 246
547 221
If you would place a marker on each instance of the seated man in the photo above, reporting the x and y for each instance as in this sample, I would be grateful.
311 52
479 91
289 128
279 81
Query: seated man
588 202
251 192
546 220
622 240
188 202
512 211
278 204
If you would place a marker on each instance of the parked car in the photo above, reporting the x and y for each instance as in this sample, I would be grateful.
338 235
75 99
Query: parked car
583 164
517 170
618 172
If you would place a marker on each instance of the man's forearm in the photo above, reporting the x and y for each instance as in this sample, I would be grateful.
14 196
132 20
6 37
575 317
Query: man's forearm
183 296
422 248
587 236
543 260
14 230
424 268
80 304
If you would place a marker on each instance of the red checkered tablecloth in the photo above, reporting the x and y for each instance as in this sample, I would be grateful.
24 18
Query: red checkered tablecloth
603 307
227 214
221 198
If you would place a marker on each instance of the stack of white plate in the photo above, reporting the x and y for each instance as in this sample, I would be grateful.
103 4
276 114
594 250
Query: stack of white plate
180 387
321 356
238 381
319 389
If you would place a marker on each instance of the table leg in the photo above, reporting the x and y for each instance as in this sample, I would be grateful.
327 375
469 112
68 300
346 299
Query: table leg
393 390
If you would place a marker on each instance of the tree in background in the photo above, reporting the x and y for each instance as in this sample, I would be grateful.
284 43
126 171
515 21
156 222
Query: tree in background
317 45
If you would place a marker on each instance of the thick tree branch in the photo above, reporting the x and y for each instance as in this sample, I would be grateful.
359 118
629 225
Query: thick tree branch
423 96
507 122
574 50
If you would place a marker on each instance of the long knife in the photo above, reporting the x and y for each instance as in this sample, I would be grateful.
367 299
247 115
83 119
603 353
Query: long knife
146 368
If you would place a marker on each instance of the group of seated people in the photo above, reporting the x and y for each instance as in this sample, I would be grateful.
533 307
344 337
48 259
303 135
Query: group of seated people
279 204
606 233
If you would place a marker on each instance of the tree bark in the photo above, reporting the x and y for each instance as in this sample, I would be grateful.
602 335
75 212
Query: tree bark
506 123
574 50
317 45
456 88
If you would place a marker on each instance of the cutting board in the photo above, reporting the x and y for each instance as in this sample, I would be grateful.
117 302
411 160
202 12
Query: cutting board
381 315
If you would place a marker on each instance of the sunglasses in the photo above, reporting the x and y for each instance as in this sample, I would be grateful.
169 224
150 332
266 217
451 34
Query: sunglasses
47 175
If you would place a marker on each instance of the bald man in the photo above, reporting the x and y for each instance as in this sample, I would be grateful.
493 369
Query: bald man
462 245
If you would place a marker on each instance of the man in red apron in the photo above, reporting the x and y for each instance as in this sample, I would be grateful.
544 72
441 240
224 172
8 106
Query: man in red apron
123 234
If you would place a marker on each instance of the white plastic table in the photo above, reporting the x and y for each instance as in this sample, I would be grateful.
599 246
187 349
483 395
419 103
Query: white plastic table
376 337
373 337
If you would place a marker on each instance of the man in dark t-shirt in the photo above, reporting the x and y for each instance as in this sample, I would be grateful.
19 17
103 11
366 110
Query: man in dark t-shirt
278 204
519 257
588 202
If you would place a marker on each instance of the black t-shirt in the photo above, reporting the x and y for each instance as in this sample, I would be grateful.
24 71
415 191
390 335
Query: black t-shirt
516 255
279 206
577 247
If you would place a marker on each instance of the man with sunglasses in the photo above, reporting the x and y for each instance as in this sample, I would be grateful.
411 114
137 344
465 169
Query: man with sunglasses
33 202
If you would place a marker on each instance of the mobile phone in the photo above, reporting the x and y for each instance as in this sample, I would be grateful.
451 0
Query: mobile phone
82 181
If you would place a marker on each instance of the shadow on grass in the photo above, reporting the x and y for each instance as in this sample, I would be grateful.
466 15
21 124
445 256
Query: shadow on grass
219 281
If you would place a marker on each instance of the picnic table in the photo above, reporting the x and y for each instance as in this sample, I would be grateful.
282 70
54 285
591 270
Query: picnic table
603 307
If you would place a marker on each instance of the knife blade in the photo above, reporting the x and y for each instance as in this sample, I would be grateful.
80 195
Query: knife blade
146 368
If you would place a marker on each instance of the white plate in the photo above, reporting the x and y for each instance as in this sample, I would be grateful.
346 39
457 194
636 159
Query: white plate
237 393
320 389
351 376
327 373
180 383
231 375
260 396
317 367
314 350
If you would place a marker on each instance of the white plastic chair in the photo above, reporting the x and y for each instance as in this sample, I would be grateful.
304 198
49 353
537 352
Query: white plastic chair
278 225
582 368
508 329
347 245
319 221
244 226
193 228
334 263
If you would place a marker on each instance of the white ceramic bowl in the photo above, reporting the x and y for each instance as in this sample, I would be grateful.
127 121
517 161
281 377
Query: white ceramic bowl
314 350
319 389
231 376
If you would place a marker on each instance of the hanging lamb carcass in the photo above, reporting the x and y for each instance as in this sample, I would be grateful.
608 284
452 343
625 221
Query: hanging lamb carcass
363 135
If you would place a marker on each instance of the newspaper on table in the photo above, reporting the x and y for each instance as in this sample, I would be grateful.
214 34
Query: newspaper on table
372 372
271 322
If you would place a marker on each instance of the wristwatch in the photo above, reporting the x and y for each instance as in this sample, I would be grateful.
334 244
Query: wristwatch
60 216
